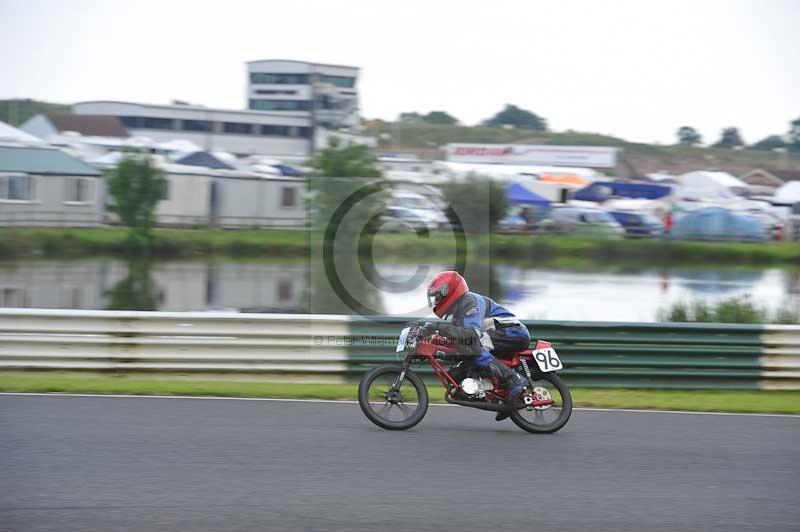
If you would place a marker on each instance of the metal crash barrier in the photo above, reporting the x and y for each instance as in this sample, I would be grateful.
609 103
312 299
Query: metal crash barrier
595 354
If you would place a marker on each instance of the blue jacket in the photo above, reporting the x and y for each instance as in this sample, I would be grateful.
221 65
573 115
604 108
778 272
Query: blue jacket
472 309
471 318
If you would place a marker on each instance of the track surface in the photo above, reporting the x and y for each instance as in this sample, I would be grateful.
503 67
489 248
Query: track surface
103 464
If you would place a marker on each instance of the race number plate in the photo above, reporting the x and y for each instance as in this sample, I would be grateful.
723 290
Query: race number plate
401 342
547 359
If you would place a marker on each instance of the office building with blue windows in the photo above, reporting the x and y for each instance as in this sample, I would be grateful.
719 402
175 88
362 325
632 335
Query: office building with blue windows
326 95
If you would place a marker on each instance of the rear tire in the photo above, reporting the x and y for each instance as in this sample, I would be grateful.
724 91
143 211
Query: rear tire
521 417
371 398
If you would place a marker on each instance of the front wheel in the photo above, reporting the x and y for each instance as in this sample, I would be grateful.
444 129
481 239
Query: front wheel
388 405
550 418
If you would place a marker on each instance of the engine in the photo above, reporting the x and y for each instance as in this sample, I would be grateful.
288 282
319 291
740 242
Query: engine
476 387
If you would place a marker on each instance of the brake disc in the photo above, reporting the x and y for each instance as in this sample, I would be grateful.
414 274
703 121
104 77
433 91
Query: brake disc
542 394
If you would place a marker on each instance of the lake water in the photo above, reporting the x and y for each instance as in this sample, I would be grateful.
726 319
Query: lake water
613 294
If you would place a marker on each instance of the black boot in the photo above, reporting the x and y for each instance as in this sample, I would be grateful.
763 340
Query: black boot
508 379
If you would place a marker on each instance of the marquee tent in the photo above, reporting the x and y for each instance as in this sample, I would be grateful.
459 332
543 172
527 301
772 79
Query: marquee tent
518 194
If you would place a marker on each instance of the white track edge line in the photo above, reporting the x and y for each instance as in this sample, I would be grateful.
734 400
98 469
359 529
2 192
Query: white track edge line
343 401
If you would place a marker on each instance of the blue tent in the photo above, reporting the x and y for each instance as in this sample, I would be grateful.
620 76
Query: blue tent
716 223
602 190
287 170
520 195
203 158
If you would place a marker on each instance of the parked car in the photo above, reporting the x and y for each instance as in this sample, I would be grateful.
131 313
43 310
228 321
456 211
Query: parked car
569 219
396 219
639 224
512 223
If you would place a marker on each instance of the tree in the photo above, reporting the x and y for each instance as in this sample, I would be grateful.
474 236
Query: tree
512 115
477 203
345 160
794 135
136 186
689 136
769 143
439 117
730 138
434 117
347 194
413 117
347 197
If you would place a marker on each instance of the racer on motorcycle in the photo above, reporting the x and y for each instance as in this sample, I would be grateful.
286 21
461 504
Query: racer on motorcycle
481 327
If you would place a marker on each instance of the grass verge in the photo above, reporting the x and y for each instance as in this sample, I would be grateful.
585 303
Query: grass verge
786 402
59 242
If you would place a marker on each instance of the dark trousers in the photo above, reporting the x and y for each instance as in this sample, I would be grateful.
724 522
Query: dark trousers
509 340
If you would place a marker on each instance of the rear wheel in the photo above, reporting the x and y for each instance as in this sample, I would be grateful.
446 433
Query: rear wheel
549 418
389 406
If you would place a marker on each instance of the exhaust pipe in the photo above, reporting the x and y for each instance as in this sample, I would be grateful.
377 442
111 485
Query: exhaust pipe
481 405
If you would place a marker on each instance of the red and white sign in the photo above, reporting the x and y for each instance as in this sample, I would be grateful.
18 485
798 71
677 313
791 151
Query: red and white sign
527 154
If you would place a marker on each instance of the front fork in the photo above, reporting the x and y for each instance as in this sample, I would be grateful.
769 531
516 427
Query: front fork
398 382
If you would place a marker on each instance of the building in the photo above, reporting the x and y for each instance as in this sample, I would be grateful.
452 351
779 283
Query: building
50 125
292 108
203 190
326 95
241 133
246 199
45 186
770 178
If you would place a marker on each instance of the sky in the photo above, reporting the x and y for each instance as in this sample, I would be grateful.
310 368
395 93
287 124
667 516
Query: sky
632 69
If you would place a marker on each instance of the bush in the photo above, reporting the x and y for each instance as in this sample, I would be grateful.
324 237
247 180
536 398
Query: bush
478 203
733 310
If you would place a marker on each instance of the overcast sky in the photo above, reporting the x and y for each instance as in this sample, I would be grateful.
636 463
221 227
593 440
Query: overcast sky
634 69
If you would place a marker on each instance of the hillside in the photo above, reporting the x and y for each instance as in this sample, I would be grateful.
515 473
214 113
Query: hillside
426 140
15 112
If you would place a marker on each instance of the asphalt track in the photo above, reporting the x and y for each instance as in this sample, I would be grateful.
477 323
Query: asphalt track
144 464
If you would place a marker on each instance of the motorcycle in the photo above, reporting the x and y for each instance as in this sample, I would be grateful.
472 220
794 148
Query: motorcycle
394 397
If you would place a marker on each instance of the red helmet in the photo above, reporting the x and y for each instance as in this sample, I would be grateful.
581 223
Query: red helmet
445 289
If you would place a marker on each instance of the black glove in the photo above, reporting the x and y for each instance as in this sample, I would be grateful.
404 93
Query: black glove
428 329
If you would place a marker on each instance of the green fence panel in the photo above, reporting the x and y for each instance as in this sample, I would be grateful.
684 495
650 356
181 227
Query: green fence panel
600 354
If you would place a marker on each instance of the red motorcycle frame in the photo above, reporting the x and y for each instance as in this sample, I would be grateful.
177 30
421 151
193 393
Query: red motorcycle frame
439 347
391 390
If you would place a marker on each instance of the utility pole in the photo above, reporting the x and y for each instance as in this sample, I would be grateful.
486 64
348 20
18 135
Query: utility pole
312 78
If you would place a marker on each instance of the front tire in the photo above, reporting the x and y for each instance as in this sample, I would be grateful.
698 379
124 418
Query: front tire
400 410
549 419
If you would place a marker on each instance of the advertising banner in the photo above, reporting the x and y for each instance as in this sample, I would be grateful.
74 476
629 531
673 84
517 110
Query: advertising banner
527 154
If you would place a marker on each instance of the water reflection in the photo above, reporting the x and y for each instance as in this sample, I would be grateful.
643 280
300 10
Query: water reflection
167 286
264 286
717 281
346 289
138 290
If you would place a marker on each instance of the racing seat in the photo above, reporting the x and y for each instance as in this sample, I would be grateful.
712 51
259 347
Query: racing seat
509 355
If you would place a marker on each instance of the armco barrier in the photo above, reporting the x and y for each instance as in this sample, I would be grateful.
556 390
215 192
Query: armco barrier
641 355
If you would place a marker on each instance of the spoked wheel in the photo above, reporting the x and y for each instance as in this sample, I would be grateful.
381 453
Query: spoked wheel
389 406
549 418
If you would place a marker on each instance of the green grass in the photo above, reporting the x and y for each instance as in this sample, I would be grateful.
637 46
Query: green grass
787 402
68 242
60 242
